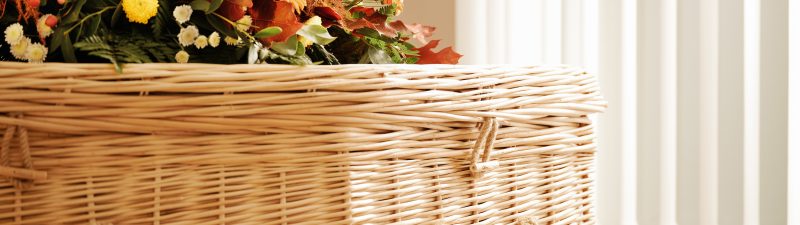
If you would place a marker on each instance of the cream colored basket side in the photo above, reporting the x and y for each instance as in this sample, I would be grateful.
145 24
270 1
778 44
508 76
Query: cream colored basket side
275 144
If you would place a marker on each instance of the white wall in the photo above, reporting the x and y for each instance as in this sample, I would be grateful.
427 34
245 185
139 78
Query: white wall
438 13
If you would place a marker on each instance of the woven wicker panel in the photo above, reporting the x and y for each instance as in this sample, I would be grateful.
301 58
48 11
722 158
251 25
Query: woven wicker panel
271 144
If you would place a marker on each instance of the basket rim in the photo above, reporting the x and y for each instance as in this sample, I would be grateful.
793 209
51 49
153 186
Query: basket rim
4 64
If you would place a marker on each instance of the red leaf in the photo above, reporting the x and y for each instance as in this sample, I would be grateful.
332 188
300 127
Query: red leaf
380 27
267 13
371 19
418 31
367 11
445 56
359 23
327 13
370 14
329 23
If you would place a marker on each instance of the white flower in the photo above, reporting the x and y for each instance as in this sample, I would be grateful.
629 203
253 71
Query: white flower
232 41
41 26
20 48
315 20
14 34
201 42
244 23
213 40
187 35
182 57
36 53
182 13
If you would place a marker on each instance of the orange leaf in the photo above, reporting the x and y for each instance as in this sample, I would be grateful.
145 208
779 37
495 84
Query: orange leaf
243 3
445 56
234 9
268 13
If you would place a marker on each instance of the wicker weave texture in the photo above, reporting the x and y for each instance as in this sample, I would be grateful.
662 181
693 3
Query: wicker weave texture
272 144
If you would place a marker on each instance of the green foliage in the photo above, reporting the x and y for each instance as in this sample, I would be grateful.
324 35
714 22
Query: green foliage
318 53
206 6
131 49
402 52
385 49
73 12
367 3
388 10
316 34
96 46
163 18
270 56
268 32
288 47
351 3
215 4
219 24
201 5
348 49
358 15
91 31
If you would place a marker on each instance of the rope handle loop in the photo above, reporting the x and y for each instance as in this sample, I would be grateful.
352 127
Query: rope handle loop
481 163
21 178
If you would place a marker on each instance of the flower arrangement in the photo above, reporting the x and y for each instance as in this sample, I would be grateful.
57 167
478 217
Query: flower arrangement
297 32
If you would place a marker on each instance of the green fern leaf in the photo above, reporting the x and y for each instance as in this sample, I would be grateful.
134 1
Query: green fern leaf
128 49
163 18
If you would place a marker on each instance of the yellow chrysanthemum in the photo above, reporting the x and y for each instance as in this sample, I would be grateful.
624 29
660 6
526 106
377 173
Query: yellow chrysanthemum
19 50
213 40
140 11
36 53
182 57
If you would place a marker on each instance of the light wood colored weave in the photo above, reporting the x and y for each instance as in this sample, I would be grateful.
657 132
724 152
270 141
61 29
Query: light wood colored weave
274 144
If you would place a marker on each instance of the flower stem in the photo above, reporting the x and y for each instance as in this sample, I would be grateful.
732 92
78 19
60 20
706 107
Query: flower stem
87 17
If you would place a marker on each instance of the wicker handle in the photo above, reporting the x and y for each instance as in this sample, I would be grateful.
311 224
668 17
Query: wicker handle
21 178
20 173
481 163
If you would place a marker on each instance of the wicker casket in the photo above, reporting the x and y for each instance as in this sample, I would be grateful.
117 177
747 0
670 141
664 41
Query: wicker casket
277 144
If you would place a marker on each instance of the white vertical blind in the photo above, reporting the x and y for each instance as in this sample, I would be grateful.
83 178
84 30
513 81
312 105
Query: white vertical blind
752 64
702 126
617 129
496 25
773 143
697 112
525 45
794 109
572 32
657 111
471 28
552 23
731 82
